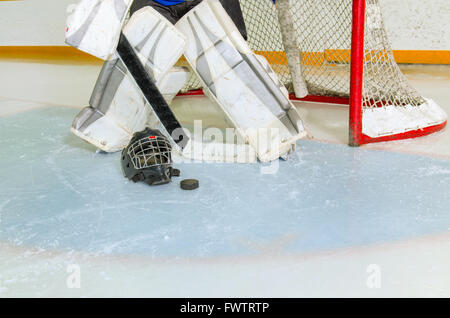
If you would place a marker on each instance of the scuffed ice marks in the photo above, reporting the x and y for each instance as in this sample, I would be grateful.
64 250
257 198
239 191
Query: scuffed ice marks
58 193
23 270
434 170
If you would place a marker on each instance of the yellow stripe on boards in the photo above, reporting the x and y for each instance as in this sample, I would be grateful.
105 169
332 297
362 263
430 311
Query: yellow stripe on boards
422 57
70 54
43 53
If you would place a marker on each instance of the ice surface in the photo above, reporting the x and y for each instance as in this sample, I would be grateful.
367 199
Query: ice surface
233 237
58 193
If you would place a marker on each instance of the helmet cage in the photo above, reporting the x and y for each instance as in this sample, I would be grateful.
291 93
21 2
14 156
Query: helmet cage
150 151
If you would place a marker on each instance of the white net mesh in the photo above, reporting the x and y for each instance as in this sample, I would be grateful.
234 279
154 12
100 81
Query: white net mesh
384 84
323 29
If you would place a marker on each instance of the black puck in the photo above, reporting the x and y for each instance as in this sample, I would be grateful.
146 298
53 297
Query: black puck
189 184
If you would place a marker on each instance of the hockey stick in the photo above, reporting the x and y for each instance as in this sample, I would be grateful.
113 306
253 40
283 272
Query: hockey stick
151 92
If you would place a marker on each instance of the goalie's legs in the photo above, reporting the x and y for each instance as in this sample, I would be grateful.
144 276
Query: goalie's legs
117 108
244 85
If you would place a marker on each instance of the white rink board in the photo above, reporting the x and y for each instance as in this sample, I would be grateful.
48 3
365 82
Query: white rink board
424 21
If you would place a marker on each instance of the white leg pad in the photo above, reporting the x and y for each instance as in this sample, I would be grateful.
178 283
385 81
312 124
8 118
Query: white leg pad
247 90
126 114
118 108
157 42
94 26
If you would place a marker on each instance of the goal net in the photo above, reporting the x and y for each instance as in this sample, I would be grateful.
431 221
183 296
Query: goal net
344 55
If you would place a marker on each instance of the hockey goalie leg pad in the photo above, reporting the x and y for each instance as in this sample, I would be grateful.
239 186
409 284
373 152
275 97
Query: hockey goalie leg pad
94 26
247 90
118 108
157 42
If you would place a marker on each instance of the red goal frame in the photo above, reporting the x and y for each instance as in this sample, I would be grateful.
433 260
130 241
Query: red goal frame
355 100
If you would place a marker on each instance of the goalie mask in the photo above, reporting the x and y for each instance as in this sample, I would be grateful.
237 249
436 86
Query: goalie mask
148 158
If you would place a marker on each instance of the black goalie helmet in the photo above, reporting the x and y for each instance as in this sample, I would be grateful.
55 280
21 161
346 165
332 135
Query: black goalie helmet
148 158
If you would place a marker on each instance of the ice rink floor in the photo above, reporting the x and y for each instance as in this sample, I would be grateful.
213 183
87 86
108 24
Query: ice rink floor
332 221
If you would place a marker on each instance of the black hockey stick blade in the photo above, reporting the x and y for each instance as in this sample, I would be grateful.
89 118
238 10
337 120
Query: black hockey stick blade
151 92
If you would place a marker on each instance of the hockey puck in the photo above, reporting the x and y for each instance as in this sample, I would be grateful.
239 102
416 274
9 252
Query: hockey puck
189 184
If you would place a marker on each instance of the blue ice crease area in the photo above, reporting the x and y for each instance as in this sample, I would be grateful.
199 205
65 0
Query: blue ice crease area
56 192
